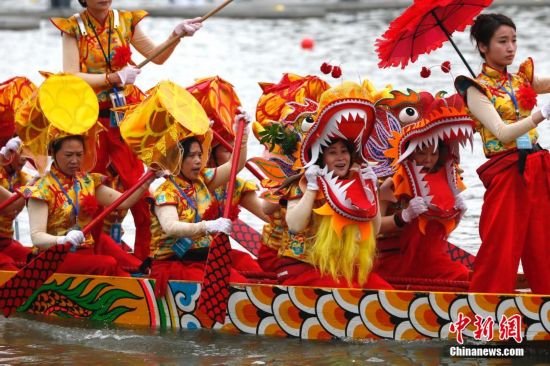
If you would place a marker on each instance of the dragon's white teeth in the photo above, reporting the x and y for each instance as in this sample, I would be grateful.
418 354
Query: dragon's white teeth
412 146
346 186
428 199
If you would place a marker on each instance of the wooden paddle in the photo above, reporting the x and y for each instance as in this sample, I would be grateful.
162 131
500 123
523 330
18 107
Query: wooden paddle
21 286
14 197
229 148
176 39
215 286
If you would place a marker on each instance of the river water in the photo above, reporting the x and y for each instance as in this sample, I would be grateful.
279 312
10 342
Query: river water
245 52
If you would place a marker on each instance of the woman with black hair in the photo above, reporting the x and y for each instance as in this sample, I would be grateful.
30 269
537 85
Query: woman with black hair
514 218
412 241
96 47
64 201
307 259
186 217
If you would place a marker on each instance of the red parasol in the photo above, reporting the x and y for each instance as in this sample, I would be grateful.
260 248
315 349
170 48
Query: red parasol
423 27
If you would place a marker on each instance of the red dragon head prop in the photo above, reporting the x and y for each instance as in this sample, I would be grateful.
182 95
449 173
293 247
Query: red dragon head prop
345 112
444 122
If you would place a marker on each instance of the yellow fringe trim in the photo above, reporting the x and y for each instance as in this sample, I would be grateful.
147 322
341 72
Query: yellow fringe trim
346 253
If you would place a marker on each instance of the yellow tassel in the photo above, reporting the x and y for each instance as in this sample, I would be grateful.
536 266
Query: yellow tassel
343 255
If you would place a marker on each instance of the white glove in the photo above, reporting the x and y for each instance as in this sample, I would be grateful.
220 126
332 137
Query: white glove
75 237
247 120
545 110
311 174
460 204
128 75
367 173
220 225
188 27
417 206
12 146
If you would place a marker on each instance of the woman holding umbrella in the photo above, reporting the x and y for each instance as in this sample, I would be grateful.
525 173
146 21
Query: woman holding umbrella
96 47
514 219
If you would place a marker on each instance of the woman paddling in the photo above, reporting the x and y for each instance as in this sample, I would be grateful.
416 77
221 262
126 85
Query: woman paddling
11 179
65 200
186 217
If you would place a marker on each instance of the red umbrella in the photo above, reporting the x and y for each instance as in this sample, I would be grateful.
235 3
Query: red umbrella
423 27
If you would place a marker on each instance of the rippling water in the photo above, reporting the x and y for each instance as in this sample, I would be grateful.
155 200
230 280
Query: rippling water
246 52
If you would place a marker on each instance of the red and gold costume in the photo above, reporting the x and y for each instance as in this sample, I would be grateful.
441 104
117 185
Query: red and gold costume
39 122
61 219
11 250
194 203
286 105
91 37
514 218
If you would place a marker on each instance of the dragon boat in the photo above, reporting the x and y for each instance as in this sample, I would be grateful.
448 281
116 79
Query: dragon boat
291 311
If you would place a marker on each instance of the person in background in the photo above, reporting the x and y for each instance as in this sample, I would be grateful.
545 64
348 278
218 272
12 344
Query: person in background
12 178
245 190
406 247
514 217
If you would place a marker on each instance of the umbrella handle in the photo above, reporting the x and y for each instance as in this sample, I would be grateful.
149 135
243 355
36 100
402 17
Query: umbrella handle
176 39
440 24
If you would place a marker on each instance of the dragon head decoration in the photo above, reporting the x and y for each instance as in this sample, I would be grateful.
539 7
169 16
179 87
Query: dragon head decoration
345 112
443 123
220 102
284 115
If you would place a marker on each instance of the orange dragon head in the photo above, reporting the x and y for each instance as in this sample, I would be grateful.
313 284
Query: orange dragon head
442 123
284 114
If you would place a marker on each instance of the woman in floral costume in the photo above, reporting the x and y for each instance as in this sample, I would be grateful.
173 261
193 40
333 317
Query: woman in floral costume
12 178
65 200
96 47
514 219
186 217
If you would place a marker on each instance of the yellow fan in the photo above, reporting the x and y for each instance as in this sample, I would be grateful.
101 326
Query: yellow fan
69 103
63 105
154 128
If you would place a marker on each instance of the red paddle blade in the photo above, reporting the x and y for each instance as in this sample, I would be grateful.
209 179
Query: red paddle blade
246 236
22 285
215 286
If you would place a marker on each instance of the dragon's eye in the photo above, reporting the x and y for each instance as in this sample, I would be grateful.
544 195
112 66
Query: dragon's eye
307 123
408 115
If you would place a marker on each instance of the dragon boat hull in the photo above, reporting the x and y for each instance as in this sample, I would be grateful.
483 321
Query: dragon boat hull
286 311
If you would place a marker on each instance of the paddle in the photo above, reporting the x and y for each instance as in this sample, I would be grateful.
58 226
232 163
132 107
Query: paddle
215 286
229 148
176 39
21 286
14 197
